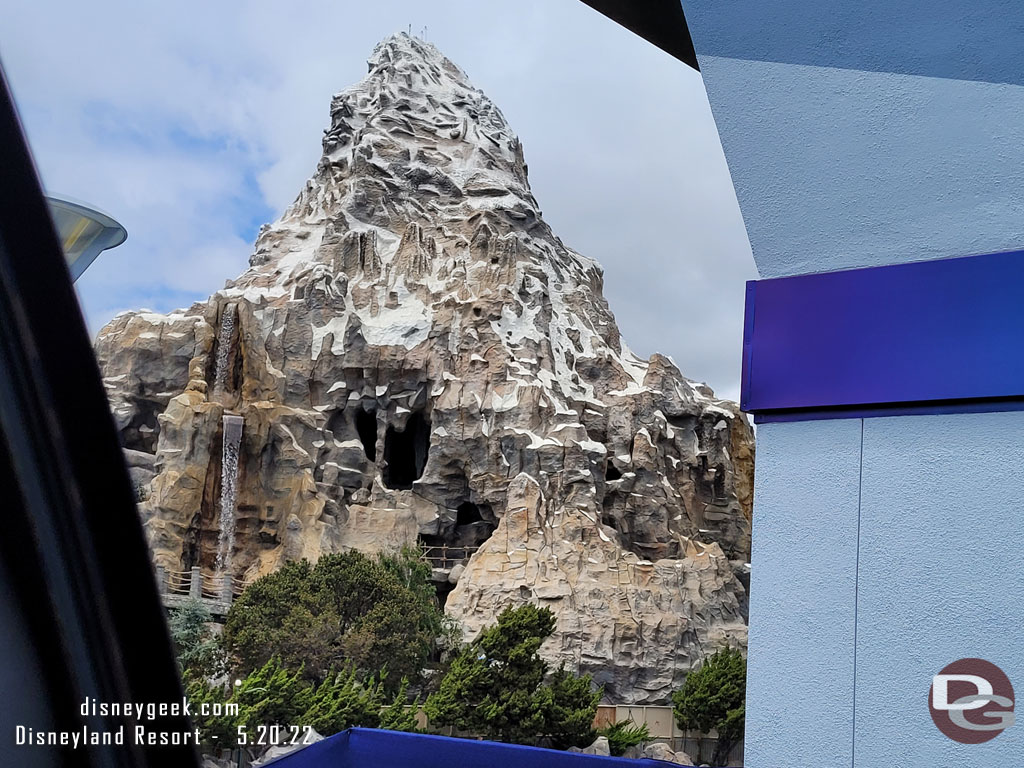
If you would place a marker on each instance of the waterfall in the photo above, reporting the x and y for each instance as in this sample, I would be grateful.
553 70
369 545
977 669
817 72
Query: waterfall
228 490
227 331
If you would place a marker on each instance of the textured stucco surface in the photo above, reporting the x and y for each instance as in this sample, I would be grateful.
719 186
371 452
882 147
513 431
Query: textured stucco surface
879 558
861 135
839 168
959 39
802 595
941 566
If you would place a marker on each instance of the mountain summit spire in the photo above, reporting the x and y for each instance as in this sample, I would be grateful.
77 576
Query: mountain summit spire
419 360
416 128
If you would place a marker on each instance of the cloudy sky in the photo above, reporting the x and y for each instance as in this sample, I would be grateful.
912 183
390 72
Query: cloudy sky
193 123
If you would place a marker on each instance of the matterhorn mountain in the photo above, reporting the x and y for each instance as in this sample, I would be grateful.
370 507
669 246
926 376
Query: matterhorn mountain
413 358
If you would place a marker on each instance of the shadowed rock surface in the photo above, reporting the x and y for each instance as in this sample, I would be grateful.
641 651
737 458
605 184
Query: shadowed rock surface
417 358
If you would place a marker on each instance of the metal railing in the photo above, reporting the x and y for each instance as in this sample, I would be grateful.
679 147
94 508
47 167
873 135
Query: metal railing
194 584
444 556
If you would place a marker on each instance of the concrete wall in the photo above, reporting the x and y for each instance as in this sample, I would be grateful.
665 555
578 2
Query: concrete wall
868 133
846 169
864 134
800 671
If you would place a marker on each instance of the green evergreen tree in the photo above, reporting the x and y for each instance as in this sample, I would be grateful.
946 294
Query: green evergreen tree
495 686
400 714
571 706
713 698
195 644
216 726
348 609
273 695
342 701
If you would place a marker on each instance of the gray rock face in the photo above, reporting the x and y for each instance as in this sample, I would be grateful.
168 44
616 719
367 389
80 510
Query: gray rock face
599 747
418 359
659 751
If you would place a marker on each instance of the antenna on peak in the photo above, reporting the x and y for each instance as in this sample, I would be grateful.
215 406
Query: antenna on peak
424 35
410 30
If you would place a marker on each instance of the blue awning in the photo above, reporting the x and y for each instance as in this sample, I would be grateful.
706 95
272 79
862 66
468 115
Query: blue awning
368 747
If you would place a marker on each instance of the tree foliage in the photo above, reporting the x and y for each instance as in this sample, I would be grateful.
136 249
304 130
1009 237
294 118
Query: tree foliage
624 734
713 698
348 609
198 651
343 701
275 695
495 687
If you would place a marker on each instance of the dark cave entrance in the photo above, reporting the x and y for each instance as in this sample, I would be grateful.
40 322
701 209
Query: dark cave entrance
456 541
143 431
473 525
611 473
444 589
718 486
467 514
405 453
366 428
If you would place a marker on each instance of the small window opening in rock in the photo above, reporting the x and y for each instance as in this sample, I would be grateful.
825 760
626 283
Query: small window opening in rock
443 590
366 428
494 259
611 472
477 311
467 513
405 452
719 486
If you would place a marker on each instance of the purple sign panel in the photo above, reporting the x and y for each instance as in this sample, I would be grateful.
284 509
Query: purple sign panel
929 335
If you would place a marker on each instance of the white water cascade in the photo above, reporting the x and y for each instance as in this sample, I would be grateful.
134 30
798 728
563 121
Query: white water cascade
228 491
227 331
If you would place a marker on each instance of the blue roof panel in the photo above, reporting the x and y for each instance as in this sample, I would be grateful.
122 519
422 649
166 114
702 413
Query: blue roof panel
368 747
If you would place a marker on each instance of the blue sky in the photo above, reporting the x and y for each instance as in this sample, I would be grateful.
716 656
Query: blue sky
193 123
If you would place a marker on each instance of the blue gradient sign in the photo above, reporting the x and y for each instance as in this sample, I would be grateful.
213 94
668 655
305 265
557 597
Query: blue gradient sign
945 332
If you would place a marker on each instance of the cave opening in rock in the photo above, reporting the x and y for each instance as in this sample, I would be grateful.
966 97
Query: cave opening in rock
718 486
143 431
366 428
467 513
443 590
405 452
611 472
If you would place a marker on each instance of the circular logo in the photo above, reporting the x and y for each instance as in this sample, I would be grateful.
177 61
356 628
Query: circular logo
971 701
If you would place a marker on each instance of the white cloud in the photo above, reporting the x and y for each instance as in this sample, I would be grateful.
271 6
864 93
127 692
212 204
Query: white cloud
192 122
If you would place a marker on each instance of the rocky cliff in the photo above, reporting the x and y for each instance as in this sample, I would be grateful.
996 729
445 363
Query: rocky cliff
416 358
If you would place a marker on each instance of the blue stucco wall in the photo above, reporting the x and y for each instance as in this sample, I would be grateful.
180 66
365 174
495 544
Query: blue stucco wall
802 594
843 168
941 564
863 134
957 39
868 133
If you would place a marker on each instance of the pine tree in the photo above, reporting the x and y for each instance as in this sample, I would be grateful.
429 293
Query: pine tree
347 609
712 698
495 686
341 702
195 644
